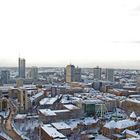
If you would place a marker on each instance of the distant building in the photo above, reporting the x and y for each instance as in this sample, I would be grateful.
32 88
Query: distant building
33 74
110 75
70 71
21 67
72 74
5 76
97 73
77 74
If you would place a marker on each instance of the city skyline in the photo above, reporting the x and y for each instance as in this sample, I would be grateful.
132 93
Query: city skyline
69 70
87 34
93 64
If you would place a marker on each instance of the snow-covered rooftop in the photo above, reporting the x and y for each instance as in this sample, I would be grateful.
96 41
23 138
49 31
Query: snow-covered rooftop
110 124
133 115
61 125
89 121
86 121
37 95
71 107
47 112
125 123
133 100
61 111
73 123
20 116
51 131
130 132
120 124
48 101
93 101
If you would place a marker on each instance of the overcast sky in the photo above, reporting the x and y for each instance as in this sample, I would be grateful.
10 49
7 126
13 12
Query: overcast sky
81 32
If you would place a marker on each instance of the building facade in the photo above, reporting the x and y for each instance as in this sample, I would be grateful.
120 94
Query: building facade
97 73
110 75
70 70
21 67
5 76
33 74
77 74
72 74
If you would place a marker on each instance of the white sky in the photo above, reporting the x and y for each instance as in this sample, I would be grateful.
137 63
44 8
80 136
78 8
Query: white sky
59 32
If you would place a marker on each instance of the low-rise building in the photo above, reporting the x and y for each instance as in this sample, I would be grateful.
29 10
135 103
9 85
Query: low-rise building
118 127
50 133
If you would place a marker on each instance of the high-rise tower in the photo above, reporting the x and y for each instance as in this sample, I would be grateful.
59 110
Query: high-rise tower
110 75
21 67
97 73
72 74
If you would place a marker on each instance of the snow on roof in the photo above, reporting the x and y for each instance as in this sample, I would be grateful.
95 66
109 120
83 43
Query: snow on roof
109 98
36 96
61 111
133 100
133 115
89 121
134 96
120 113
43 101
138 118
71 107
47 112
92 101
118 136
48 101
86 121
65 101
129 87
90 136
130 132
20 116
61 125
52 132
73 123
110 124
125 123
120 124
32 116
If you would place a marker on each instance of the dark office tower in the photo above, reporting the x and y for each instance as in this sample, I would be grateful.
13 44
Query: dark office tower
97 73
77 74
21 67
5 76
